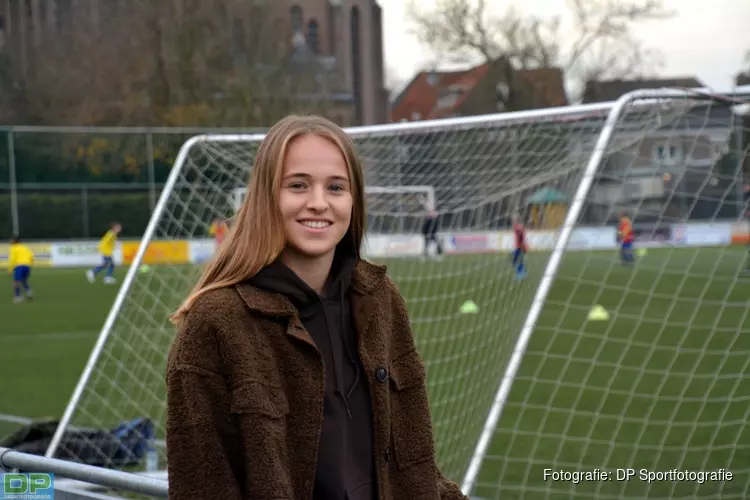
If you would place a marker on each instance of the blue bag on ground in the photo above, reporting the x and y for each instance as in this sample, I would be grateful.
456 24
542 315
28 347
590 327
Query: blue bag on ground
122 446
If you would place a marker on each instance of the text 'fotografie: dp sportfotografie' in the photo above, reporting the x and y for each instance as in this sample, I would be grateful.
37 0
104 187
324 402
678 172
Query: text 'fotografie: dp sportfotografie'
649 476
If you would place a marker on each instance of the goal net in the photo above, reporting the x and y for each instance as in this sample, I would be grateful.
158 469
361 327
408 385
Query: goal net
581 363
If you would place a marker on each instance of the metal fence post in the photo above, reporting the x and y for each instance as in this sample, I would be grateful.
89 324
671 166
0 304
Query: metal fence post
738 148
85 210
13 184
151 173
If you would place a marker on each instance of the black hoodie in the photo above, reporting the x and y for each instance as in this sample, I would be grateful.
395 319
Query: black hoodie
345 468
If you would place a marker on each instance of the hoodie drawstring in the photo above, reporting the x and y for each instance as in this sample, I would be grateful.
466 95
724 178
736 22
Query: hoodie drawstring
347 348
336 371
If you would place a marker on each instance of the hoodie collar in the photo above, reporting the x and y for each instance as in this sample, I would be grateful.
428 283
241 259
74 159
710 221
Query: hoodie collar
279 278
365 279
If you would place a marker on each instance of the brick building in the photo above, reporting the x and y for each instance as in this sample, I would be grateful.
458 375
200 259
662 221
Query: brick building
347 35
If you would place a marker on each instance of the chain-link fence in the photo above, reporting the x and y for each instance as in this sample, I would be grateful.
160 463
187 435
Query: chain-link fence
76 210
72 182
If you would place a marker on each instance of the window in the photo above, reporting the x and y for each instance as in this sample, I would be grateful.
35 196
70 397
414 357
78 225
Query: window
64 14
667 154
449 96
334 16
43 13
295 14
502 91
377 30
720 148
312 36
238 34
356 62
109 10
630 191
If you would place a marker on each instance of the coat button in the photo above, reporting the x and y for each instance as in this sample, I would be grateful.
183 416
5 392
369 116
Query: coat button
381 374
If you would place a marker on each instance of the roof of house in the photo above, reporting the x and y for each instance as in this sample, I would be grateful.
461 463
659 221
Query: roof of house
419 97
611 90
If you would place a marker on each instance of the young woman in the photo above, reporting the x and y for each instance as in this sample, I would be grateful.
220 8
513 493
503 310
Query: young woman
294 373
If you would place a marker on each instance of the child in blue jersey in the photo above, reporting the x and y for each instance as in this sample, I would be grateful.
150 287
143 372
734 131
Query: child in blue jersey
20 260
107 249
519 234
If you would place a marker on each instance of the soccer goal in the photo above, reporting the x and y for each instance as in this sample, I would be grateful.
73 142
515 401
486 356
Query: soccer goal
591 377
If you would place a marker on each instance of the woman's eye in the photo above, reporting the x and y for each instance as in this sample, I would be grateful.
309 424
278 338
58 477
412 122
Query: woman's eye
337 187
297 185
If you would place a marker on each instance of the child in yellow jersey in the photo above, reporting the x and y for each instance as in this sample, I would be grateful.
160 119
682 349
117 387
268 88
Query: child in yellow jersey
107 249
20 260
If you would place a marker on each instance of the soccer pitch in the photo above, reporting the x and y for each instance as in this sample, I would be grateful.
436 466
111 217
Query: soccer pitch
663 383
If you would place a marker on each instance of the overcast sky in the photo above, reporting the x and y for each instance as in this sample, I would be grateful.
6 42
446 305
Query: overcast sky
706 39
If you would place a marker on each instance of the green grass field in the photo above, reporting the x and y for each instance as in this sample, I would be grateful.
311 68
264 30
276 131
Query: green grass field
663 384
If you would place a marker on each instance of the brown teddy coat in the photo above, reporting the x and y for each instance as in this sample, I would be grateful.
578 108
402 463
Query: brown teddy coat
245 397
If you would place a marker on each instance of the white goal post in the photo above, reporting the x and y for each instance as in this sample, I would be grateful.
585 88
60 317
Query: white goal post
642 366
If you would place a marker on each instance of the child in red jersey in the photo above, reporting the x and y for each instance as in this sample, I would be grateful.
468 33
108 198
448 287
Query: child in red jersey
626 237
519 233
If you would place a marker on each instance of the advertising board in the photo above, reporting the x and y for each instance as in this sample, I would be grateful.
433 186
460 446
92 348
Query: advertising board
81 254
403 245
158 252
468 243
85 253
202 250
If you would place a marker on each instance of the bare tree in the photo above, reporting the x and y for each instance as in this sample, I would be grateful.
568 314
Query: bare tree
594 41
181 63
173 62
743 77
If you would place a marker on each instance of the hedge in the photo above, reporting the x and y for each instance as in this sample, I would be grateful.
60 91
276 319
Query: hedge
62 216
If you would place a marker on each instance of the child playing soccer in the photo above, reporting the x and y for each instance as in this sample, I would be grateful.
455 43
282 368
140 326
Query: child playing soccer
746 198
625 236
519 231
429 232
218 230
107 249
20 260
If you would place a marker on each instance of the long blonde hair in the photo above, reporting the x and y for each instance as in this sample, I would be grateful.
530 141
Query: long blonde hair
257 238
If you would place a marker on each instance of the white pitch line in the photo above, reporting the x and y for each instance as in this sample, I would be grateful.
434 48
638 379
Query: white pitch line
47 336
14 419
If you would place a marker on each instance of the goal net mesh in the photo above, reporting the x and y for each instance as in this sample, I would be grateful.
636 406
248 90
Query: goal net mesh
657 378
